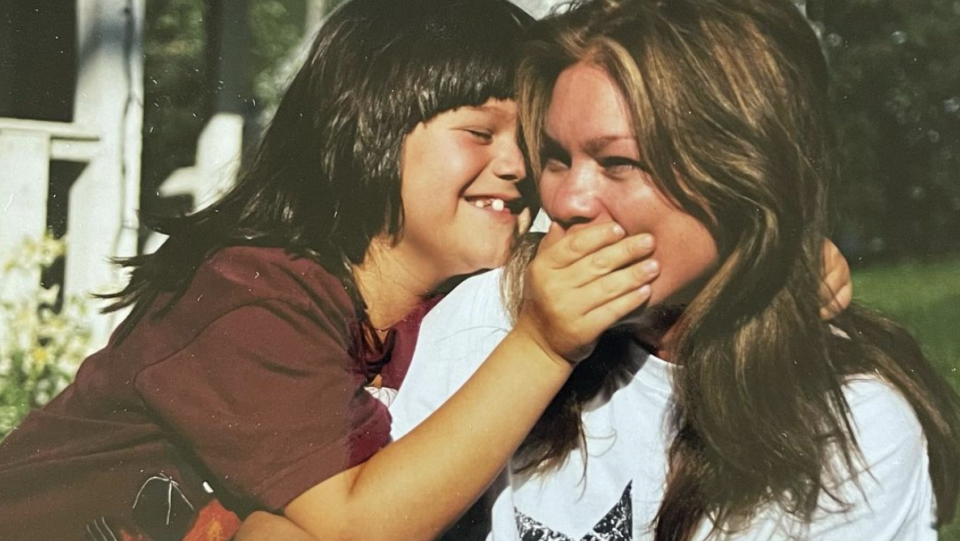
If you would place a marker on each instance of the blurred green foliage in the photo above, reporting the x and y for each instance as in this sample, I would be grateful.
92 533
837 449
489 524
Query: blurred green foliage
896 87
277 33
176 99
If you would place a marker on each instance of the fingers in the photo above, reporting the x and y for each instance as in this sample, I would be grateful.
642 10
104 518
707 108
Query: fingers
560 249
611 287
839 301
830 254
836 270
584 283
613 297
610 258
609 314
836 288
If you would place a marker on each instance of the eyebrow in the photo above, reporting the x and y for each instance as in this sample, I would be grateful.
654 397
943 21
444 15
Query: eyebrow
593 146
597 144
550 147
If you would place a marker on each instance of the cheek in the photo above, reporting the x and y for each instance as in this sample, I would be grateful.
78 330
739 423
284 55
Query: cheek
685 249
547 189
693 243
462 152
437 178
687 254
637 208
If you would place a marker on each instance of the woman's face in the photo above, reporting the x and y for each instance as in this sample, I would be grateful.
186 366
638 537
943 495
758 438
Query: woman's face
461 202
591 173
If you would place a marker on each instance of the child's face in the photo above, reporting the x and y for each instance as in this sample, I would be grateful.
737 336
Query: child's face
461 201
591 174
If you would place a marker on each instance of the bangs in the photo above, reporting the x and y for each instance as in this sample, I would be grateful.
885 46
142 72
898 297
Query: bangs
470 64
445 54
381 67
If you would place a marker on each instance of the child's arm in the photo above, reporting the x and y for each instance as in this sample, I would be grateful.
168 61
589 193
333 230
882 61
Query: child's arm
580 284
263 526
836 288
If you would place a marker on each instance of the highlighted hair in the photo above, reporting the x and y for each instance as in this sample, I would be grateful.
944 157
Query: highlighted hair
729 107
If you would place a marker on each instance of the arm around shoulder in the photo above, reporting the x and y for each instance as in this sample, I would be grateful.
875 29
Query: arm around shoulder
263 526
414 488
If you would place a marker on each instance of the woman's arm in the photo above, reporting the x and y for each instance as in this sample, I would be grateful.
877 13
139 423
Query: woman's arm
580 284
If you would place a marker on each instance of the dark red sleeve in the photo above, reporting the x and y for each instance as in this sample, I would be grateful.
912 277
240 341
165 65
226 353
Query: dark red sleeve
266 399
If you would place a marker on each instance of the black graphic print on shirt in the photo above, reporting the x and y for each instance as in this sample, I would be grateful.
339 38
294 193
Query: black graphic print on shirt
616 525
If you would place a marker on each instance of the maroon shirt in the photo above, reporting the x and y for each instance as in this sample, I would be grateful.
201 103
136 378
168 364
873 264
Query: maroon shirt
253 381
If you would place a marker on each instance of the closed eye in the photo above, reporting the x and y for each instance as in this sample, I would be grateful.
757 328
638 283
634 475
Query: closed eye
619 165
480 135
553 157
552 165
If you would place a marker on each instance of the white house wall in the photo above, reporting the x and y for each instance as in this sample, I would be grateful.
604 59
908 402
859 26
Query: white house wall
102 221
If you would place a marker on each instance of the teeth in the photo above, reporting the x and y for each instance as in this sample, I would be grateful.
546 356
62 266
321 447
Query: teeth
495 204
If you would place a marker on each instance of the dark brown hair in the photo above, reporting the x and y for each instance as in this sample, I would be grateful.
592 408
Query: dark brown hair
325 179
729 106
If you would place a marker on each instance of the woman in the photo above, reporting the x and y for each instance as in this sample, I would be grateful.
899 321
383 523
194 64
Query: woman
727 409
238 381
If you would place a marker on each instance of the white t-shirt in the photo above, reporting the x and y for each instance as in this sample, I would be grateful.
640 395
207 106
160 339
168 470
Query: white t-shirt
615 493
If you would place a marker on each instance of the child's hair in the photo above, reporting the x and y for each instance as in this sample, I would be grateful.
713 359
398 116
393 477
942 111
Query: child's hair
325 179
729 107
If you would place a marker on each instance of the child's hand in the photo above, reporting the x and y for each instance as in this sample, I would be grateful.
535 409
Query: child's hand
836 289
581 283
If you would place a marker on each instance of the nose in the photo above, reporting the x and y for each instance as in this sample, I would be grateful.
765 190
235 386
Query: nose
509 163
572 196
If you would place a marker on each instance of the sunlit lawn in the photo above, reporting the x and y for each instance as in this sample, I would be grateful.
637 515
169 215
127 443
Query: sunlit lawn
926 299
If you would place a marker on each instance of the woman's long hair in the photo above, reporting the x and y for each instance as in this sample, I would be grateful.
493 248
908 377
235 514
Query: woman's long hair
729 104
325 179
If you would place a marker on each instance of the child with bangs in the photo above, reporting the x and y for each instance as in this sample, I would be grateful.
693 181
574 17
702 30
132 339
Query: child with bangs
239 380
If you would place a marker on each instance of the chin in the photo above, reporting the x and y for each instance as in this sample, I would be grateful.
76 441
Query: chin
494 256
483 267
469 267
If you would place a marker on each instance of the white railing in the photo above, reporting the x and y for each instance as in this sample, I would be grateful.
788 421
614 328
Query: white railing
26 149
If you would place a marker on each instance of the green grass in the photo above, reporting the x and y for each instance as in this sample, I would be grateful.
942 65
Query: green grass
925 298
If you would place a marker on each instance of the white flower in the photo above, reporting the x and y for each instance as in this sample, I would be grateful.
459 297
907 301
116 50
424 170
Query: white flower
49 295
40 349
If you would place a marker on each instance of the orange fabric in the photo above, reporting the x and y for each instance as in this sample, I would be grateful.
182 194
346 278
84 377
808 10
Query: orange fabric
214 523
124 536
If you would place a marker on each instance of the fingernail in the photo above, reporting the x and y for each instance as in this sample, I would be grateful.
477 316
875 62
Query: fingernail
651 266
644 290
618 230
645 241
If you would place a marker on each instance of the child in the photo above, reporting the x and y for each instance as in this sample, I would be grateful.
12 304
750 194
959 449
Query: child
237 382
